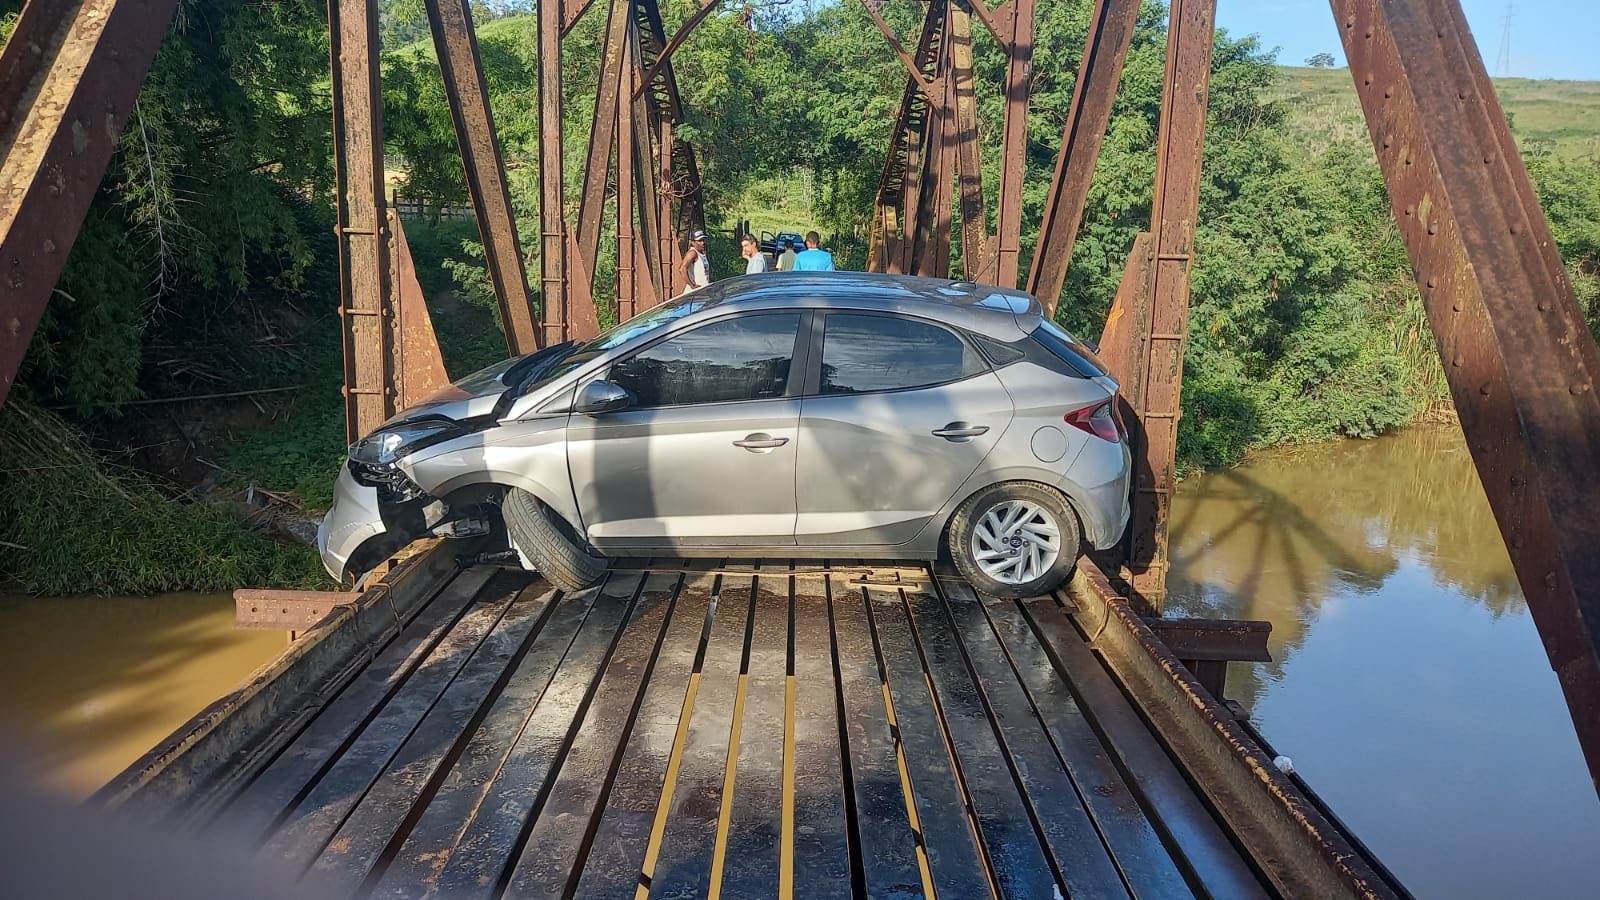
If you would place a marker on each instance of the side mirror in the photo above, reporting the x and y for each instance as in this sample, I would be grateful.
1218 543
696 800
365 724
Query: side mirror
602 397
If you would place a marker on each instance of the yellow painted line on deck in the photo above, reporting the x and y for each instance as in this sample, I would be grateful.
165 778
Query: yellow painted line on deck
668 785
719 858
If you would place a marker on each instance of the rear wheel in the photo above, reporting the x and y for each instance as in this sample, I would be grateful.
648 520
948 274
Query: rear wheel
549 544
1017 539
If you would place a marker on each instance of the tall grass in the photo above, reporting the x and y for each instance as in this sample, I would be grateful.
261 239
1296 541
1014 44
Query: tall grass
72 522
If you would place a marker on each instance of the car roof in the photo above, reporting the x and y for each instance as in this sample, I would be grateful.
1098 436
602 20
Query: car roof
1002 313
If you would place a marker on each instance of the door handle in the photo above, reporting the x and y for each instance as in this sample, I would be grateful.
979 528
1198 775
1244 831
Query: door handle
761 442
959 432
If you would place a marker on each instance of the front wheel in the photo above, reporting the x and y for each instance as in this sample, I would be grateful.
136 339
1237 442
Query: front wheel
1017 539
549 544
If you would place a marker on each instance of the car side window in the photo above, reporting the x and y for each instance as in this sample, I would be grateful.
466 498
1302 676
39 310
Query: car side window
744 358
862 353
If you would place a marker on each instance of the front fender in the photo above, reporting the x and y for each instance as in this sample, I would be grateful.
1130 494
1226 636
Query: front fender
531 455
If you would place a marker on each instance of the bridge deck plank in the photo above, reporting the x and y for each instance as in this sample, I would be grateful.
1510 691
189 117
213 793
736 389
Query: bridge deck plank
737 733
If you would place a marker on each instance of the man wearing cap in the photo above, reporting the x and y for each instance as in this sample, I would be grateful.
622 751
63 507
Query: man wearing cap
696 264
814 259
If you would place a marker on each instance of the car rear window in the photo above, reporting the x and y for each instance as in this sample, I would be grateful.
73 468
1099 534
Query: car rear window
1069 349
867 353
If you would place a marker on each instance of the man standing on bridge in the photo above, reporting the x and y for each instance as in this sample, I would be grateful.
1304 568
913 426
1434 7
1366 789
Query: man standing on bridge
813 258
696 264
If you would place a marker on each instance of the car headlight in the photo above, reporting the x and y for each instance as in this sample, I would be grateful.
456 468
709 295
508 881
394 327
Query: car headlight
386 445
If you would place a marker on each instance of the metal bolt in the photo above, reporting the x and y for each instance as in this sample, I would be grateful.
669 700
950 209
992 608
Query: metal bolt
1411 210
1388 92
14 326
1550 580
1579 388
1456 307
1484 390
1488 158
1457 360
49 246
1430 284
1544 306
1516 227
1461 94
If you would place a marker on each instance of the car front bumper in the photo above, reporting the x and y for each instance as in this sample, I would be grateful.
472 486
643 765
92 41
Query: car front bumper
354 520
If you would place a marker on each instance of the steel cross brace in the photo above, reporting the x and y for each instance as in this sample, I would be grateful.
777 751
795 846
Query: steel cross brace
69 76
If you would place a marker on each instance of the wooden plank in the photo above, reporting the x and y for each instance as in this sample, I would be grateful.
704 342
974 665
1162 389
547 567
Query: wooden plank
484 847
286 780
286 610
988 695
1204 848
882 824
688 846
377 820
1133 839
306 830
954 857
1005 823
414 871
755 824
617 853
554 852
820 846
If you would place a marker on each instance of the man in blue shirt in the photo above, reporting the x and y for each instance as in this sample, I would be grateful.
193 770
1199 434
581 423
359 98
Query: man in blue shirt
813 258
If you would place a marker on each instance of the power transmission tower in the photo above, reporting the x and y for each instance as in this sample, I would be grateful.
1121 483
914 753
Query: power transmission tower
1502 63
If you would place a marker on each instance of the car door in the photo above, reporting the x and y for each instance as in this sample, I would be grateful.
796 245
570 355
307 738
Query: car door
899 413
705 456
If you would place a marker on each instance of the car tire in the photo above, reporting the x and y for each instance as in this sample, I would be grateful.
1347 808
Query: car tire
548 543
1027 561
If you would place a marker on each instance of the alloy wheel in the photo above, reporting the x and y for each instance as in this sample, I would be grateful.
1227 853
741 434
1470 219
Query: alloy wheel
1016 542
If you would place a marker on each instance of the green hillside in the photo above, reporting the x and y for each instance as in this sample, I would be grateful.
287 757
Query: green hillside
1558 118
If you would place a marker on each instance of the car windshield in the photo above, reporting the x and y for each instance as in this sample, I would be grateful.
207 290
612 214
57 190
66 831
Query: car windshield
576 355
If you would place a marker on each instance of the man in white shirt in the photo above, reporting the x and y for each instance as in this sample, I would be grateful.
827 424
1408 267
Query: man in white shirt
755 261
696 264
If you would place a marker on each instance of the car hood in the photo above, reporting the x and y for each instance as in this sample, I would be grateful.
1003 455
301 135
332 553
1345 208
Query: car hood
467 398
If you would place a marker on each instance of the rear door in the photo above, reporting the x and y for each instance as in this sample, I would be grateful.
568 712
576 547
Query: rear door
896 417
706 456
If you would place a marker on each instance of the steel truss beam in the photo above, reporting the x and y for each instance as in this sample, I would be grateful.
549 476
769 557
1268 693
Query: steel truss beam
456 45
1521 363
1179 145
1099 72
69 76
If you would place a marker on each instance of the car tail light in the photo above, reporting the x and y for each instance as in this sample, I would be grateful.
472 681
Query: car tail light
1098 419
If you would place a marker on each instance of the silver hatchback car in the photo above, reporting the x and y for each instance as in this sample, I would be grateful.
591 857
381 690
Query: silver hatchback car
787 415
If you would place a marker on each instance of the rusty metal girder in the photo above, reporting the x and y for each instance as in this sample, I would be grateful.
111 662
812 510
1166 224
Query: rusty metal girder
602 133
366 287
1521 364
1014 163
69 75
553 296
930 250
416 366
662 59
976 260
895 206
661 85
1104 52
456 45
1179 145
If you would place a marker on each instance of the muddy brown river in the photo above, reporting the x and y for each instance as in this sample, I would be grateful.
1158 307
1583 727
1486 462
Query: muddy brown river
1408 684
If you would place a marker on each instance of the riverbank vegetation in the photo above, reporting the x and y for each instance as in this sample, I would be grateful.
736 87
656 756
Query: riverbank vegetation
207 265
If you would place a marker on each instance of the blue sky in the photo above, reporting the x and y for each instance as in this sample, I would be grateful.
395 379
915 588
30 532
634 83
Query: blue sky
1549 38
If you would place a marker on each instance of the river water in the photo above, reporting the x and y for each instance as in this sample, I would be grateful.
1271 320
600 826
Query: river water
88 684
1408 683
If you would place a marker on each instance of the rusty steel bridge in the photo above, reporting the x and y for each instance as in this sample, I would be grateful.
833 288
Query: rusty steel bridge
780 728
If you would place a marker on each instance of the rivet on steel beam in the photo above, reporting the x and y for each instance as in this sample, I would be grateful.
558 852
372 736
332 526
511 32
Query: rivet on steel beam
1550 580
1430 284
1484 390
1433 227
1350 21
1388 92
16 280
1579 388
1488 159
1516 227
1410 210
49 246
1369 34
1544 306
1456 306
1457 360
1461 94
14 326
